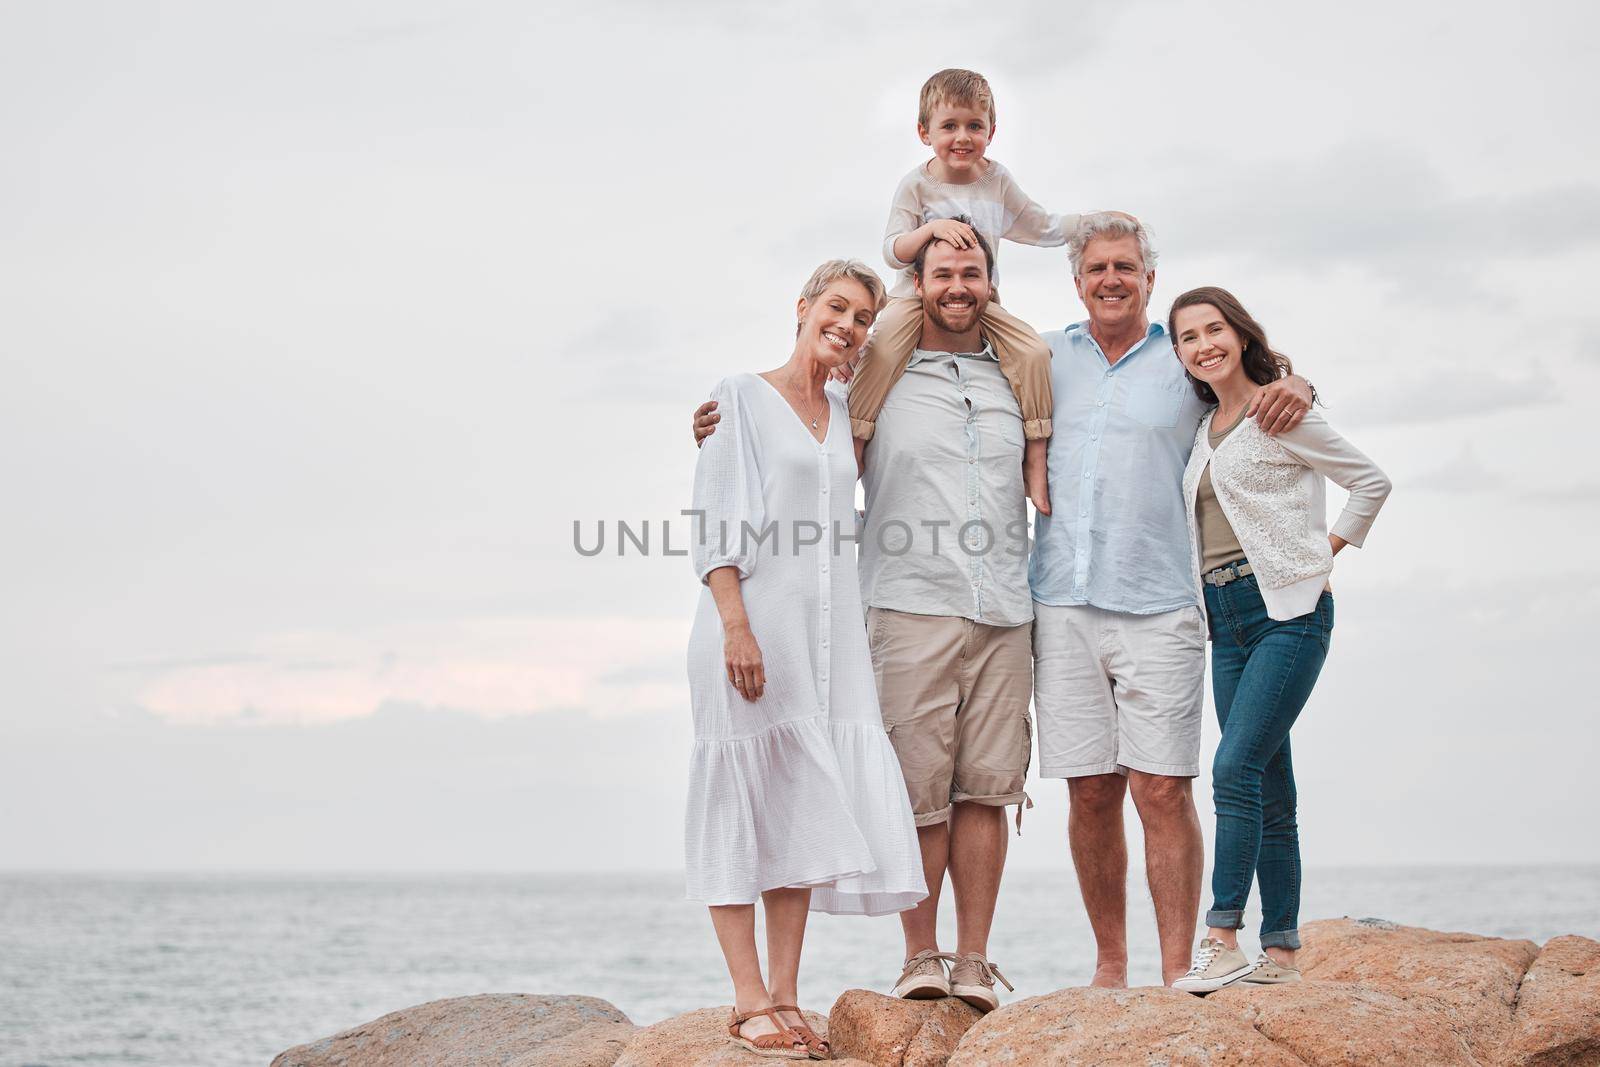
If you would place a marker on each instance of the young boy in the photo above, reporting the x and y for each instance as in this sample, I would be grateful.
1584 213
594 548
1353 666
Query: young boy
956 119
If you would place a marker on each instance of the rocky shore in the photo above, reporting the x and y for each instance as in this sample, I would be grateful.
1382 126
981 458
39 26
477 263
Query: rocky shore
1374 993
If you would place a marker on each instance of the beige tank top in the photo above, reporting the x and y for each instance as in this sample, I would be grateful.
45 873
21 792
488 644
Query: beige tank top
1219 545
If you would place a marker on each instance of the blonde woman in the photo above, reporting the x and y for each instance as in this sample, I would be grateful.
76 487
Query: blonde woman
1262 553
795 795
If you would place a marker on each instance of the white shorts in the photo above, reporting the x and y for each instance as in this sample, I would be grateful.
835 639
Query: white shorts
1114 691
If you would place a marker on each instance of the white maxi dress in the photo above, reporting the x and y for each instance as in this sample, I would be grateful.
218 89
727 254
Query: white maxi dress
800 787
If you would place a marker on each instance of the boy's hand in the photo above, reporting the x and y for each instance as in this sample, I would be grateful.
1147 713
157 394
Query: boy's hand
951 232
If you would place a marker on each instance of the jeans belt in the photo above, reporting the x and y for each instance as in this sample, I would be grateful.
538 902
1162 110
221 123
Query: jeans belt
1224 575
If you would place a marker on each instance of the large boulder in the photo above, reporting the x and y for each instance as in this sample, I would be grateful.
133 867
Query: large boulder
490 1030
1332 1024
1472 979
1116 1026
700 1039
1557 1018
1374 993
889 1032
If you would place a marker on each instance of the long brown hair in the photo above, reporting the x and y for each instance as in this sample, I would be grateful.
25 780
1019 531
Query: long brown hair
1261 364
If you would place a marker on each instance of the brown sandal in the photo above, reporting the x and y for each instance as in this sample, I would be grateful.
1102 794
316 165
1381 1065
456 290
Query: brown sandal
780 1045
816 1044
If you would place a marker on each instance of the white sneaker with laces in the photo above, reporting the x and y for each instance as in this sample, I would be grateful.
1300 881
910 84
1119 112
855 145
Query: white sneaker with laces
1215 965
1268 972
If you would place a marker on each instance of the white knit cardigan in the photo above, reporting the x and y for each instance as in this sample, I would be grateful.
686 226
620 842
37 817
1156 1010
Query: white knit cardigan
1271 490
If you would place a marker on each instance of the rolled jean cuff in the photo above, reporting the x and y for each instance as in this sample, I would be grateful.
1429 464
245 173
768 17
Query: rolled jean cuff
1225 920
1281 939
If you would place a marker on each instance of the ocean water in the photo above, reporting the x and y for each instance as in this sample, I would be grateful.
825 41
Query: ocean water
217 970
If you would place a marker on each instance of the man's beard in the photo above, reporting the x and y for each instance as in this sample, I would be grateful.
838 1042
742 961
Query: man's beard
937 314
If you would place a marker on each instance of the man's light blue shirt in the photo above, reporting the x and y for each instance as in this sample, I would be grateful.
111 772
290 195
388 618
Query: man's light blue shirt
1117 536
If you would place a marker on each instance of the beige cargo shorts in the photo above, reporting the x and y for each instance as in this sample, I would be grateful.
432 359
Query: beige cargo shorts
954 695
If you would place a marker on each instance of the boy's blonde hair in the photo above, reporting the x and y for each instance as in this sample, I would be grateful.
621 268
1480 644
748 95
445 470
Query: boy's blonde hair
854 269
967 88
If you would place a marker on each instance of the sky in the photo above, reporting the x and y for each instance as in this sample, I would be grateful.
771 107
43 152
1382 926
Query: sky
325 323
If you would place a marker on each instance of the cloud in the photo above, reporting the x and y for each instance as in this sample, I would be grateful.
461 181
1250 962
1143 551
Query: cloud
1448 395
1584 493
1390 209
491 667
1463 474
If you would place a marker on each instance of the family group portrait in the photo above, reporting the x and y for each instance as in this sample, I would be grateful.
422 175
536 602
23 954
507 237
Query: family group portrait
699 535
853 761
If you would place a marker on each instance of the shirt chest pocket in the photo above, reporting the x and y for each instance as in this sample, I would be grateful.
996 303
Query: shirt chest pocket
1155 404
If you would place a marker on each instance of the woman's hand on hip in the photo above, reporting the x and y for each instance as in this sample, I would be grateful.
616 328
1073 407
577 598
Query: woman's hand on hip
745 668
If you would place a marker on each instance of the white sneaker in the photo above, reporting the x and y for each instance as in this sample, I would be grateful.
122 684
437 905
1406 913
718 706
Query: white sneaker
1215 966
1266 972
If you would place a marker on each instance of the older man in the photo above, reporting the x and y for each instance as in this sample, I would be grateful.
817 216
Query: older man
1119 639
944 576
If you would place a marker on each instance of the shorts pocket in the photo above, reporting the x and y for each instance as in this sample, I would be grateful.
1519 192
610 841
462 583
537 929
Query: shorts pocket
875 627
1155 405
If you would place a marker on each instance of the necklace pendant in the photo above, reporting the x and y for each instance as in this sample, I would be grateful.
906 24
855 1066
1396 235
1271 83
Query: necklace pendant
813 424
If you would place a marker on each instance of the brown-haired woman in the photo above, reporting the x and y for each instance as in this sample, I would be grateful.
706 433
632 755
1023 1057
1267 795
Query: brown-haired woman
1262 554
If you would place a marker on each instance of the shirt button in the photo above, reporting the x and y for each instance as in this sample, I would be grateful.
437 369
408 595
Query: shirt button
1099 403
1088 474
1094 437
824 607
824 490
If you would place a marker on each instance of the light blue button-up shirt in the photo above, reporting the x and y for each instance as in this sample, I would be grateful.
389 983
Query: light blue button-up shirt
1117 536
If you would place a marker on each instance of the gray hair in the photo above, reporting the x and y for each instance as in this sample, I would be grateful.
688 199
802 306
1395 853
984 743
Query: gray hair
855 270
1105 224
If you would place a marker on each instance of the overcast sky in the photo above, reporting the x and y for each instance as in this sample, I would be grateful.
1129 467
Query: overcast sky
324 323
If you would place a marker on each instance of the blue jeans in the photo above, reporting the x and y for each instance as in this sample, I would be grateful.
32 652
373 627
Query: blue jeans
1262 673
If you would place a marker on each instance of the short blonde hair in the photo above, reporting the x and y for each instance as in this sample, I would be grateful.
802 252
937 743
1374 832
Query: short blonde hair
835 269
967 88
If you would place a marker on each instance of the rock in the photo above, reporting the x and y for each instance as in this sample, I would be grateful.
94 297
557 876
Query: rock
889 1032
491 1030
698 1039
1557 1018
1472 979
1374 993
1116 1026
1332 1024
595 1045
